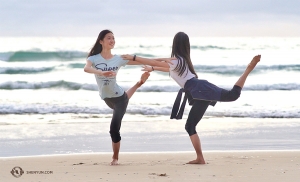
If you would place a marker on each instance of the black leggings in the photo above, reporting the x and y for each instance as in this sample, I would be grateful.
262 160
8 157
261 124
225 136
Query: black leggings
119 105
199 107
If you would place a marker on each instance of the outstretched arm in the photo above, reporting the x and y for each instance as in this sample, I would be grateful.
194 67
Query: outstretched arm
89 69
130 62
163 59
146 61
155 68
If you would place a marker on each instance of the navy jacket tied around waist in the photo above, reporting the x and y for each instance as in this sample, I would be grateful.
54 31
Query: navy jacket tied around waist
195 89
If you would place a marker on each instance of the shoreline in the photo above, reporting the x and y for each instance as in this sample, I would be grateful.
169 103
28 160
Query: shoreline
158 152
71 134
58 118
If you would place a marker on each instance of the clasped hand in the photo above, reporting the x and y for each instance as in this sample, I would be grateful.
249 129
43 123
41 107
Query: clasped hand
108 73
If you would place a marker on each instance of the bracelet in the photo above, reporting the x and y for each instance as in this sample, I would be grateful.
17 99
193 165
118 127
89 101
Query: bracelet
152 68
134 57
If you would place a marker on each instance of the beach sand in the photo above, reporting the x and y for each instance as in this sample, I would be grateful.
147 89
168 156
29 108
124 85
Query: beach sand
228 166
77 148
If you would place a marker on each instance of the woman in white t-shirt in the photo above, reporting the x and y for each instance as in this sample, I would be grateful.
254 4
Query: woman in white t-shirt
105 66
200 93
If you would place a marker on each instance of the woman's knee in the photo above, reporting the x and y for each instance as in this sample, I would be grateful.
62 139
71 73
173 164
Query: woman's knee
191 130
231 95
115 130
235 95
115 136
236 92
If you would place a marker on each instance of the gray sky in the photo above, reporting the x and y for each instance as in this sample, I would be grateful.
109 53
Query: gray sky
150 17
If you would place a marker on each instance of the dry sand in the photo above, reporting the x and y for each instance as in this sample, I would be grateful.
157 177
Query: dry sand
257 166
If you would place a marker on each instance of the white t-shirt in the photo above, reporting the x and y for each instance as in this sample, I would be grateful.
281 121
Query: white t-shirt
181 80
108 87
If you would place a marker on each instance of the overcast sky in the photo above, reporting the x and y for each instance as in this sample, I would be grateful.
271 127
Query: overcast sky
150 17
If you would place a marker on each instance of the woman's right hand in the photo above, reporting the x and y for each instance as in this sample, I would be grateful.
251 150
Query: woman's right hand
108 73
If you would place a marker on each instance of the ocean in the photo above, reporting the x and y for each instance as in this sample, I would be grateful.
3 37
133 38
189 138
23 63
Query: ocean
49 105
45 76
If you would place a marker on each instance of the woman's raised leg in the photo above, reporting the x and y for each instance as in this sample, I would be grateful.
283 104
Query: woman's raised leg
143 79
250 67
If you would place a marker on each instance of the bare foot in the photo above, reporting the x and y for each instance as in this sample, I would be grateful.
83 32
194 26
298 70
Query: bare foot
114 162
144 77
197 161
253 63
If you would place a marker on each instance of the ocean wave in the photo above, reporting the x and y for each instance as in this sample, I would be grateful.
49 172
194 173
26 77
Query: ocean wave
150 46
234 70
209 47
50 84
21 56
24 70
145 55
39 56
279 86
238 70
76 65
61 84
258 87
256 113
38 108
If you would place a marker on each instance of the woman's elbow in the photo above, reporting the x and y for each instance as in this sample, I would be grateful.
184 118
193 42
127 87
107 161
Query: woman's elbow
85 69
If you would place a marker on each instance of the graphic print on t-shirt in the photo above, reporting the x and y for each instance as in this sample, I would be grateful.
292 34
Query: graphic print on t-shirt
104 67
106 82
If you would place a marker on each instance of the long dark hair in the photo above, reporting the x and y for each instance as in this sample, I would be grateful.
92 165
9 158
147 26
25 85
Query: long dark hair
181 50
97 48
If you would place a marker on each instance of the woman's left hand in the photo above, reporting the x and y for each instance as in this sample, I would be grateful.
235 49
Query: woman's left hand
127 57
167 60
147 68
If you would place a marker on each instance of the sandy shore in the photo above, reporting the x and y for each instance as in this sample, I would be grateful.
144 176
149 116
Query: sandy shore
222 166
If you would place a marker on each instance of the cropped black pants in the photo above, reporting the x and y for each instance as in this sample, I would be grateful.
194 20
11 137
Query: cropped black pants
119 106
199 108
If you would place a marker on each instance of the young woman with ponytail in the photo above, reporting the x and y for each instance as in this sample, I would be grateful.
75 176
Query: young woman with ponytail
105 66
200 93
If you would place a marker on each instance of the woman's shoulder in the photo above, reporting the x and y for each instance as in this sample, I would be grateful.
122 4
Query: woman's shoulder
174 63
93 57
116 56
119 58
174 60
